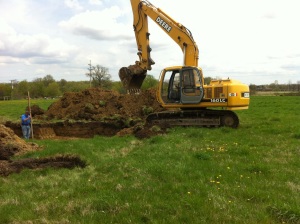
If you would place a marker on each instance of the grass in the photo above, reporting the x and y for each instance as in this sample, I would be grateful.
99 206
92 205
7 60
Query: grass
13 109
191 175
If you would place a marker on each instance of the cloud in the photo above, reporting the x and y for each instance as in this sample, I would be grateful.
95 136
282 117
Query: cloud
95 2
5 29
73 4
269 15
99 25
33 47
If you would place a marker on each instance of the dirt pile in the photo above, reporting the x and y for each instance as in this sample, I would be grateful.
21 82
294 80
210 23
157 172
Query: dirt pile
11 144
93 112
97 104
35 110
125 113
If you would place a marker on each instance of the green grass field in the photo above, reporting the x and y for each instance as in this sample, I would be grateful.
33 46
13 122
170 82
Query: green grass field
190 175
12 109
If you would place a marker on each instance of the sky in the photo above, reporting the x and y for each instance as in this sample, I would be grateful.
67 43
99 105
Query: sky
253 41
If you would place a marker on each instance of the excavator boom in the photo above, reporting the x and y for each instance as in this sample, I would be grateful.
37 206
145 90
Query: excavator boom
132 76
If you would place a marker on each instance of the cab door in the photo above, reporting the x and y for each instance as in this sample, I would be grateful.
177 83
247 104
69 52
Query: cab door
191 86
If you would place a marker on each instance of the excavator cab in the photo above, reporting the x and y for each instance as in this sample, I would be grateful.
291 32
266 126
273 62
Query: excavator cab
181 85
191 82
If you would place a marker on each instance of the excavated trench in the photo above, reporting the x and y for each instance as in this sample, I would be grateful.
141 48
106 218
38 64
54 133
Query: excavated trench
66 129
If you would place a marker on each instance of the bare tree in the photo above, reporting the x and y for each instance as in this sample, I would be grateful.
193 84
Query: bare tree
100 76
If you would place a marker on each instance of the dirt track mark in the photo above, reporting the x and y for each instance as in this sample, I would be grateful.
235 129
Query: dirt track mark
60 161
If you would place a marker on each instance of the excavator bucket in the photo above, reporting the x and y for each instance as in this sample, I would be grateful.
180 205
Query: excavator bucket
132 78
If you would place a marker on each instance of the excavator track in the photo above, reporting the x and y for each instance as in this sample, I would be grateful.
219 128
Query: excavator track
199 118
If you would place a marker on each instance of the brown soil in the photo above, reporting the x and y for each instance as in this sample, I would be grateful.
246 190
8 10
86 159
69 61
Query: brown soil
11 144
94 112
96 104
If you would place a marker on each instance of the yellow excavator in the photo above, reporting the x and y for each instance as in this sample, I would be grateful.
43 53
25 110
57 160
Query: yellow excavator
181 90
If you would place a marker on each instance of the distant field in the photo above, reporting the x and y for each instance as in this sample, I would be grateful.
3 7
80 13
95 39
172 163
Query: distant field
13 109
190 175
277 93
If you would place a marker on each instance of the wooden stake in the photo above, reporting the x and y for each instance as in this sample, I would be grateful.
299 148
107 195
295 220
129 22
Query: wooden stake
29 108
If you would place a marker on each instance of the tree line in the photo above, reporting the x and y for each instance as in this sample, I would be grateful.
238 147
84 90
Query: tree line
100 77
276 87
48 87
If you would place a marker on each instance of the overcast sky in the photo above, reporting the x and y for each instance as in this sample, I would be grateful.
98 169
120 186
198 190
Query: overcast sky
254 41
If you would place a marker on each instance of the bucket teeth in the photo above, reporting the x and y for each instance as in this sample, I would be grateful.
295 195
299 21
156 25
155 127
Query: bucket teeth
134 91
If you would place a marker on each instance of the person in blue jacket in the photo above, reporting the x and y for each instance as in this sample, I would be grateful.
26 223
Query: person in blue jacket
26 119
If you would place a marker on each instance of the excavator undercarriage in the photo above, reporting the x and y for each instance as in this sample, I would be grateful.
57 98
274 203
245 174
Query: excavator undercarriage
199 118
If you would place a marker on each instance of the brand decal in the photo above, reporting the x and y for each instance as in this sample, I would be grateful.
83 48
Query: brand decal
232 94
218 100
246 95
163 24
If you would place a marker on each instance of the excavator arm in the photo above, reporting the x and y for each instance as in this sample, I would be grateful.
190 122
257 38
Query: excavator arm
132 76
